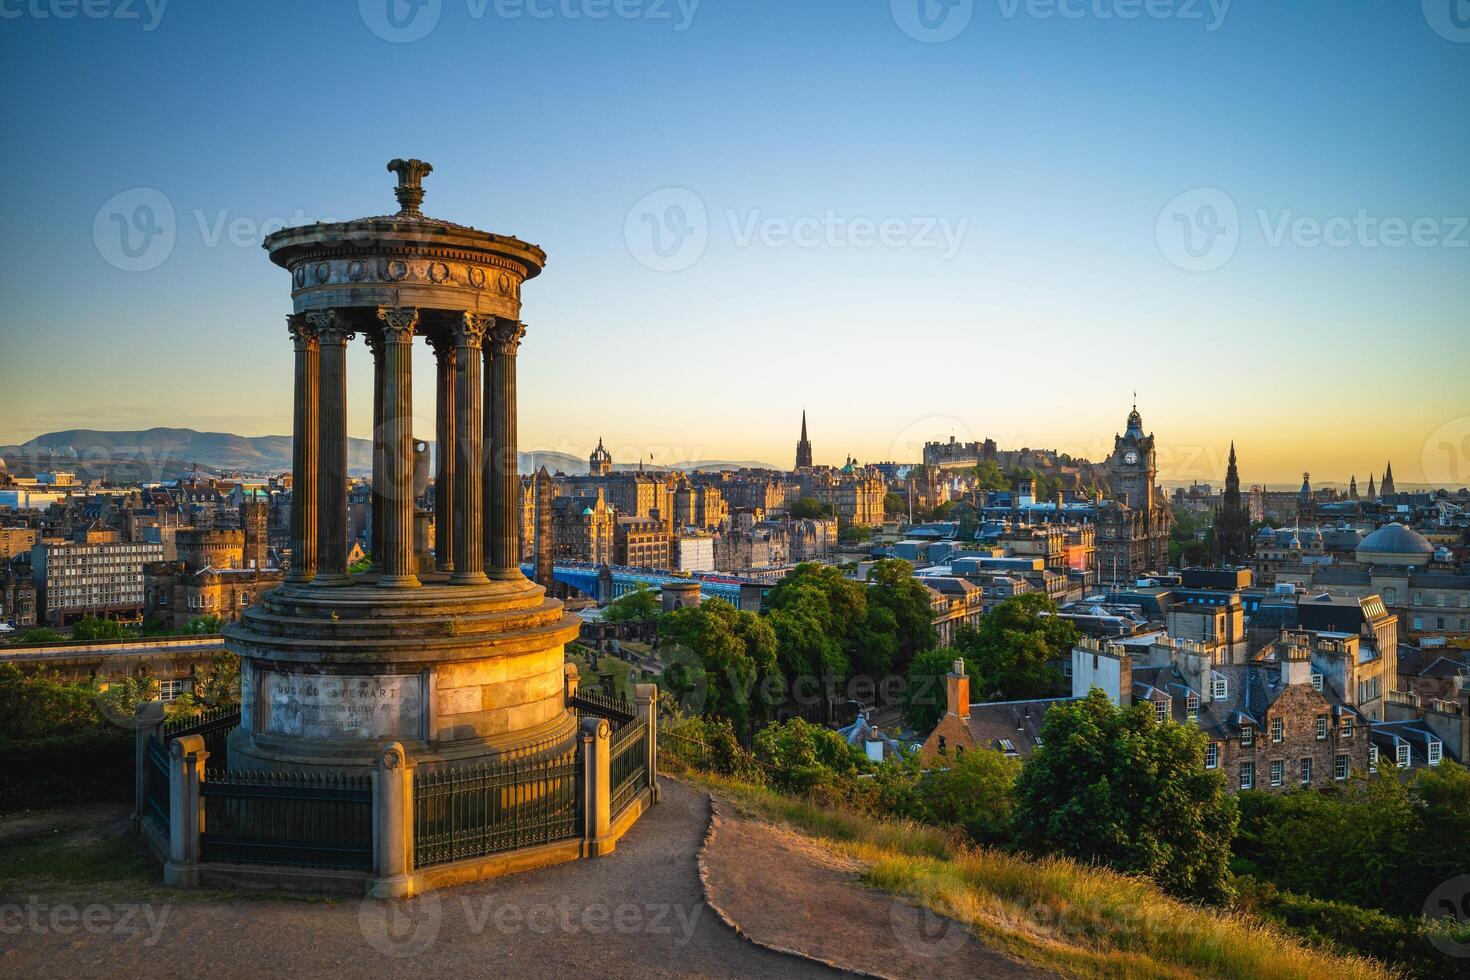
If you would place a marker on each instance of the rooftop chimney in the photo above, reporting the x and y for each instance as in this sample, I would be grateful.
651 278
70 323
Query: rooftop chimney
957 690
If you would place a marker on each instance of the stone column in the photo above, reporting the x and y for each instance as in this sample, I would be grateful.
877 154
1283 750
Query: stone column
396 437
375 497
147 727
444 452
392 825
505 487
596 787
469 544
331 478
186 811
645 706
488 524
304 449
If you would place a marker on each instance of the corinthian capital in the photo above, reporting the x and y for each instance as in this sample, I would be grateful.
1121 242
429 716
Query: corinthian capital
330 327
303 333
399 323
506 336
470 330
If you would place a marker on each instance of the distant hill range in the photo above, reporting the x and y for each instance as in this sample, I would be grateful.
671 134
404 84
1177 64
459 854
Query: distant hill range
163 454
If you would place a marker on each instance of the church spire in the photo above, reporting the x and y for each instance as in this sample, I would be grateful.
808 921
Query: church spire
1386 487
803 446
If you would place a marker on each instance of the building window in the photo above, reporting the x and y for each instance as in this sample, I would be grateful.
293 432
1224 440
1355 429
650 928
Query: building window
1340 768
1372 758
1278 729
1316 681
1247 735
1321 728
1435 752
1161 710
1306 771
943 746
1191 708
1277 770
1212 755
1401 754
1346 726
1008 746
1219 688
1247 775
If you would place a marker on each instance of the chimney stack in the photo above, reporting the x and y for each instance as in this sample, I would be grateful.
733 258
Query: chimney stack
957 690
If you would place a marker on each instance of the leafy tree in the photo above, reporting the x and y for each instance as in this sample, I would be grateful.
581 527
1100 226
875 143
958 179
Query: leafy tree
923 698
894 505
814 611
803 756
638 606
893 590
854 534
1014 647
942 511
93 628
976 792
810 507
218 682
1116 786
204 625
734 653
989 476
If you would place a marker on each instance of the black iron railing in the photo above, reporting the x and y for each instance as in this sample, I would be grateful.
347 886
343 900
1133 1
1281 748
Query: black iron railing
479 810
316 820
214 725
628 764
617 711
156 804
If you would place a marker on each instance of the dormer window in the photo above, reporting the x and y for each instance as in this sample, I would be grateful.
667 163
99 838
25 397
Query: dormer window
1316 681
1161 709
1219 688
1345 727
1435 752
1247 735
1401 754
1191 708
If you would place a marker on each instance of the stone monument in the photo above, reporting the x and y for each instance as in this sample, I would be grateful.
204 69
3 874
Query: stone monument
459 659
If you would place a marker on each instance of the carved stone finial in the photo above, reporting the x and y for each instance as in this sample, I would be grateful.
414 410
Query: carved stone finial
410 189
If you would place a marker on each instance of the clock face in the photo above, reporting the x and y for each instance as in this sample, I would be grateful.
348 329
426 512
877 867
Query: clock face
1130 457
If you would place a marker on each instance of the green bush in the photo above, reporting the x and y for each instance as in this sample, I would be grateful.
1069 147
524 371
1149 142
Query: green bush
977 792
1398 941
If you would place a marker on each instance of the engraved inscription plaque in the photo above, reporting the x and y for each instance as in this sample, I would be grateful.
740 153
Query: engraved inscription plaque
343 706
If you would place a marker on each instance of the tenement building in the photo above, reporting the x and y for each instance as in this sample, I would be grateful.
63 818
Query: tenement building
96 574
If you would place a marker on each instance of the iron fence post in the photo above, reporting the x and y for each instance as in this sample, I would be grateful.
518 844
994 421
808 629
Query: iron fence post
187 756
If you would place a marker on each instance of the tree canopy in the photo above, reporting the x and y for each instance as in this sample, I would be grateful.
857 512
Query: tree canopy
1117 786
721 656
640 605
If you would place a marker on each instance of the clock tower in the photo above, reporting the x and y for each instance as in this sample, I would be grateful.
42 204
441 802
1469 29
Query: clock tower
1134 466
1133 528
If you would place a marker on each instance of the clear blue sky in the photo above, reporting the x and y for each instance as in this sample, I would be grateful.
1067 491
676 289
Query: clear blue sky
1053 143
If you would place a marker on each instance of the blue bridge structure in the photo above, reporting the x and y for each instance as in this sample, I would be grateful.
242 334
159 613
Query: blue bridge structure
605 583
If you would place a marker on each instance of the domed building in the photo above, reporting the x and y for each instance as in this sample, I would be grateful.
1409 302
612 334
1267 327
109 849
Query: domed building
1395 545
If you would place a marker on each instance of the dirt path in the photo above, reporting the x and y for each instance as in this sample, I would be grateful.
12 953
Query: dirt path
784 892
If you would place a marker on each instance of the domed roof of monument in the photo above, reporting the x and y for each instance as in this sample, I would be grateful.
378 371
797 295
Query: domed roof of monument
1396 539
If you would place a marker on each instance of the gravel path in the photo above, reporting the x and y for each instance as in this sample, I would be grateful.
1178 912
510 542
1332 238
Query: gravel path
785 892
638 912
